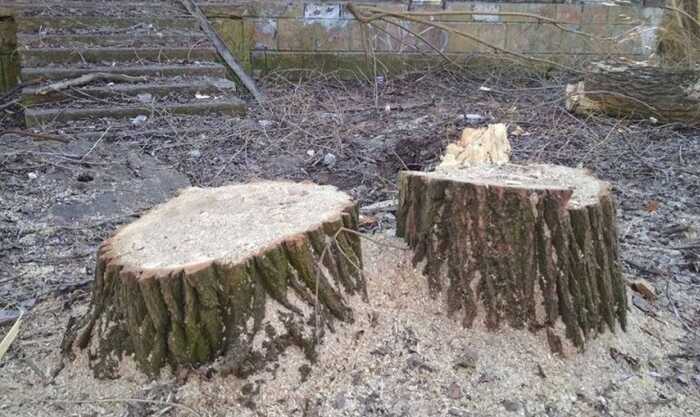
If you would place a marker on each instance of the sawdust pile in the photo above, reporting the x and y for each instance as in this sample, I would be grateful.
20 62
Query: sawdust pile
404 357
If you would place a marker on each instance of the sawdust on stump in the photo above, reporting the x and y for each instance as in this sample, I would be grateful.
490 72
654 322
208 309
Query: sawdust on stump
528 246
238 272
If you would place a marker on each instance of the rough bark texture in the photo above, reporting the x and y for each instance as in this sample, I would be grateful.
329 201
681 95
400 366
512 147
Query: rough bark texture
9 63
512 256
245 313
635 91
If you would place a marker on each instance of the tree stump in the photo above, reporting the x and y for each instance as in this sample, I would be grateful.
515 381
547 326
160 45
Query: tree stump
528 246
239 272
638 91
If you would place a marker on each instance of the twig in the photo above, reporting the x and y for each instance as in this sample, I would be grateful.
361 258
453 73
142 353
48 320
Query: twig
127 400
85 79
97 142
675 310
365 236
35 136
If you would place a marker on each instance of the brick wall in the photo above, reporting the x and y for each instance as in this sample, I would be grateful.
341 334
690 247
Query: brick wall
324 34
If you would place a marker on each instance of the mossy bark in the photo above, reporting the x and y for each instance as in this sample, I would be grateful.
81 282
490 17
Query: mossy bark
513 256
191 316
9 62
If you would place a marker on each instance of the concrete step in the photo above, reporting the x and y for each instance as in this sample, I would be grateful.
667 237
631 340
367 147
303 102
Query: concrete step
35 14
124 8
42 56
186 88
96 8
189 70
41 118
186 125
84 25
136 39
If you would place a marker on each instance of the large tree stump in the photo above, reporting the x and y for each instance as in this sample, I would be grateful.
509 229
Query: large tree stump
528 246
638 91
241 272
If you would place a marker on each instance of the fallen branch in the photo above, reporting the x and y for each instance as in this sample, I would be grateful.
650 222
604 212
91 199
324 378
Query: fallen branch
35 136
221 48
86 79
637 91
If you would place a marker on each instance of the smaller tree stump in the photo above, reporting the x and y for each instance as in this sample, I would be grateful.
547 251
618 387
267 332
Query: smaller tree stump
529 246
241 271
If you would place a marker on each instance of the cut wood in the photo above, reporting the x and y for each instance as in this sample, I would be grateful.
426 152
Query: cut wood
484 145
221 48
86 79
638 91
241 272
528 246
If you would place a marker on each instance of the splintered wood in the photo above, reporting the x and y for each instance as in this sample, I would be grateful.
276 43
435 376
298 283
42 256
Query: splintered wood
527 246
238 272
486 145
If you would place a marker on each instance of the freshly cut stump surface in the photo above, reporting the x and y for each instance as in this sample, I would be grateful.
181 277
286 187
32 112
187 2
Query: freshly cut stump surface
238 272
526 246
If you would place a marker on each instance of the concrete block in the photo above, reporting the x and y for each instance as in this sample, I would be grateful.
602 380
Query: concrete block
624 15
572 43
394 6
633 39
426 5
277 8
516 8
458 7
461 44
603 44
386 37
264 33
595 13
542 9
486 8
359 34
494 34
569 13
312 35
322 10
533 38
652 16
437 38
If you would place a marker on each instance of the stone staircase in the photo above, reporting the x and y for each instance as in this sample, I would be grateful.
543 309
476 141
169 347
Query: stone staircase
174 68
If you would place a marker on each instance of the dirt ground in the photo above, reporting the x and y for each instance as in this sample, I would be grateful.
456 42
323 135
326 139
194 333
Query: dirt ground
402 357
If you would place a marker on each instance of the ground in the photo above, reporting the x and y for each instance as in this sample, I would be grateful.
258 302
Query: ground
402 356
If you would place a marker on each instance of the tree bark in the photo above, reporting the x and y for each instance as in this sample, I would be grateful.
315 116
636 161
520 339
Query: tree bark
243 311
635 91
501 250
